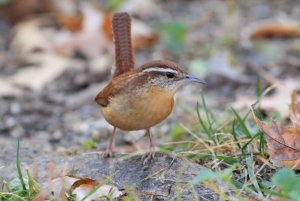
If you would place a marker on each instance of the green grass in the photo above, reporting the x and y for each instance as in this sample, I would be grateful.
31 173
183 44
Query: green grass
28 189
232 148
19 188
234 151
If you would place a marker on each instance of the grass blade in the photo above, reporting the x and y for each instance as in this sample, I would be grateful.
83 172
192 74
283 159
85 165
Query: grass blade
19 166
234 136
11 195
95 189
250 167
262 143
210 120
242 123
259 90
247 143
203 125
209 116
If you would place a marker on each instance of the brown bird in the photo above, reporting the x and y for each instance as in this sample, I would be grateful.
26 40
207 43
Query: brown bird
139 98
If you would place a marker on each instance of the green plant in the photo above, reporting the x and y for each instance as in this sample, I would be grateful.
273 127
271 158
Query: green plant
288 182
19 188
113 5
172 35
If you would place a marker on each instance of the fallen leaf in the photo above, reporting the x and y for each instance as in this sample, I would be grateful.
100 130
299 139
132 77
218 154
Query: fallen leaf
283 143
83 32
37 77
88 31
65 187
272 28
278 101
7 89
142 35
91 40
107 26
28 37
95 36
295 111
71 22
103 191
17 10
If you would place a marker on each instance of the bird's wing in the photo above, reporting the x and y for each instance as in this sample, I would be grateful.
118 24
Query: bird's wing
116 86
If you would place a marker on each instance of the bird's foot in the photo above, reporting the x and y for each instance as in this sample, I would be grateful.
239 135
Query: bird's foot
109 151
108 154
148 157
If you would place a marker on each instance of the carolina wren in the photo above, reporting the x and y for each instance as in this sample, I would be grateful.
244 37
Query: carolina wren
139 98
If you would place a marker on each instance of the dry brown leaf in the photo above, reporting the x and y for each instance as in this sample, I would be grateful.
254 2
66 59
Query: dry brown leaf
90 40
17 10
61 187
271 29
82 34
107 26
283 142
88 31
95 36
71 22
295 111
102 192
74 23
142 35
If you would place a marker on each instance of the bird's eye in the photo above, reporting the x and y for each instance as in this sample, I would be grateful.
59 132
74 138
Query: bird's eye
170 75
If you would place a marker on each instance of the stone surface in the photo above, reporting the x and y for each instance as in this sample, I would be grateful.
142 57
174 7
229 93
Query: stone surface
165 178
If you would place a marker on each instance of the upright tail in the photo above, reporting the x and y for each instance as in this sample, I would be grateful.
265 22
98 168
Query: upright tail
123 48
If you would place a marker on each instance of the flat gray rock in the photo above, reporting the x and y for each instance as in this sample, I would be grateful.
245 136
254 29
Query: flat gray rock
165 178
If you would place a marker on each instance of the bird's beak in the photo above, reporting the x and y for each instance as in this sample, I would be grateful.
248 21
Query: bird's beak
194 79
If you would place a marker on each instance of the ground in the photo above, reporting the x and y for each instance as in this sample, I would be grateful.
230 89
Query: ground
53 111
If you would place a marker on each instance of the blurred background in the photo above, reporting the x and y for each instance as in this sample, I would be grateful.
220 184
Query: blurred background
56 55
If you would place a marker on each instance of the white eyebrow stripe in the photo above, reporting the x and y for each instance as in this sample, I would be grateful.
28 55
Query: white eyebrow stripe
156 69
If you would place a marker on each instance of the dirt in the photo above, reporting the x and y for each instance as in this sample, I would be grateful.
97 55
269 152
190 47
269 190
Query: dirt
63 115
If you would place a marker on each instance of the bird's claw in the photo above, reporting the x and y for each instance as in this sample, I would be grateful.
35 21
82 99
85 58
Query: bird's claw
148 156
108 154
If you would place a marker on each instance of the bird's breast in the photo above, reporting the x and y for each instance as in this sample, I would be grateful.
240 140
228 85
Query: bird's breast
140 110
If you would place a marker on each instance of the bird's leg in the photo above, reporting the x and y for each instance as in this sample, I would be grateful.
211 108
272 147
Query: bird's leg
109 150
149 155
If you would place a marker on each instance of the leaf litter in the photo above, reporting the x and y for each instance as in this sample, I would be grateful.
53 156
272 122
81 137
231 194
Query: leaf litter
283 142
73 24
79 188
